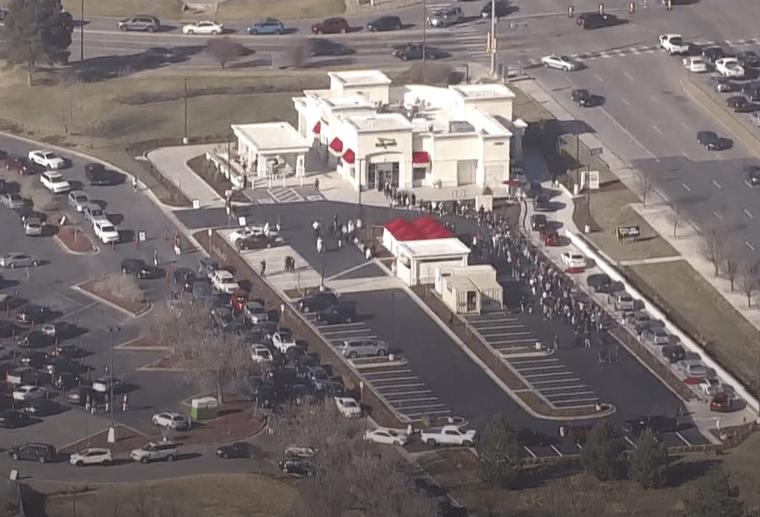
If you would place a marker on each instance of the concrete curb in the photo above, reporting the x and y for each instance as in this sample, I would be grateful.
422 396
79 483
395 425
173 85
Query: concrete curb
111 304
65 248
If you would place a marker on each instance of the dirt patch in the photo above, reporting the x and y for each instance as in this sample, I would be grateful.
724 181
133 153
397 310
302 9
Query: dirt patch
206 171
169 362
227 256
231 495
94 287
74 240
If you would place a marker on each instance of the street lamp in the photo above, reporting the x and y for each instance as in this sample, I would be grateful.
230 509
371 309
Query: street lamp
424 29
493 37
112 428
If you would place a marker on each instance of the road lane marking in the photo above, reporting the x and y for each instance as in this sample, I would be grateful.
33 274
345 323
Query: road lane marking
625 101
600 79
750 246
657 129
684 124
686 156
686 187
579 446
629 76
650 153
684 440
717 184
749 214
716 214
529 451
557 451
655 99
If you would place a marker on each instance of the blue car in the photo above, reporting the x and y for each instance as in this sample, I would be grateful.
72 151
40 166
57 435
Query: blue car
268 26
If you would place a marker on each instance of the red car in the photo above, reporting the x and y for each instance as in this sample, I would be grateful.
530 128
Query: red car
23 166
238 300
721 403
331 26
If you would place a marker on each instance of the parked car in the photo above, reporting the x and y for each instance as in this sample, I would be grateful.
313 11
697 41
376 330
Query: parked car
724 84
386 436
445 17
79 394
40 452
224 281
107 233
363 348
538 222
41 407
139 269
91 456
92 212
17 259
331 26
502 8
267 26
203 27
260 354
348 407
12 201
103 384
656 336
139 23
55 182
283 339
581 96
340 313
721 402
673 353
257 242
748 58
296 467
97 175
255 312
164 450
573 259
47 159
385 23
33 227
23 166
78 199
171 420
206 266
713 53
10 419
739 104
317 302
29 392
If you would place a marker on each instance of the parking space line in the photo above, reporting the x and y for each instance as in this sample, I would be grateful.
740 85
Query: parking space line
537 384
580 447
533 368
502 341
557 451
424 406
519 362
420 399
416 414
575 401
684 440
80 309
372 375
563 395
552 374
500 327
394 379
564 388
529 451
631 442
404 393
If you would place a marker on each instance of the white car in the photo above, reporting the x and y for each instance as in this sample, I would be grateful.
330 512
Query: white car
29 392
260 354
283 340
729 67
203 27
255 312
252 230
386 436
696 64
14 260
560 62
170 420
710 386
105 231
92 456
224 281
572 259
47 159
103 384
348 407
33 227
55 182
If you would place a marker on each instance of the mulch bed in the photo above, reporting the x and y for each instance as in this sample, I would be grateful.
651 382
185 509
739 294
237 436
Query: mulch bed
171 361
75 240
227 256
134 308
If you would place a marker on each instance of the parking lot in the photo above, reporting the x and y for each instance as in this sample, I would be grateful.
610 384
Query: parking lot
558 384
504 332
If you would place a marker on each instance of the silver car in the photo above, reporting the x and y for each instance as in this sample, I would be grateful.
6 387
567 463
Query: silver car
12 201
445 17
92 211
78 200
363 348
33 226
14 260
657 336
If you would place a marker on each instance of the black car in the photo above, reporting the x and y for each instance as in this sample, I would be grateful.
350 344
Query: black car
68 350
412 51
386 23
724 84
32 314
266 397
185 277
673 353
234 450
41 407
581 97
206 266
538 222
712 54
317 302
602 283
739 104
57 365
710 140
139 23
752 175
541 203
10 419
532 189
341 313
502 8
296 467
34 360
139 269
748 58
657 424
751 87
202 289
325 47
65 380
596 20
41 452
97 175
35 339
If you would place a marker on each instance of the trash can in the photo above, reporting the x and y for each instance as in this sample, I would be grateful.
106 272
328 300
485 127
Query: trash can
204 408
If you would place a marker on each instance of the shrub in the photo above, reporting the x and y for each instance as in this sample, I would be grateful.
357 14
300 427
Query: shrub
120 286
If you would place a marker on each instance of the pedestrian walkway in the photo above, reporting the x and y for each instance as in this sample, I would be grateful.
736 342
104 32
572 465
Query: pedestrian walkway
171 162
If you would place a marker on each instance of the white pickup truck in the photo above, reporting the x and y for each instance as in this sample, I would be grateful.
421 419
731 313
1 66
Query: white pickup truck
448 435
674 44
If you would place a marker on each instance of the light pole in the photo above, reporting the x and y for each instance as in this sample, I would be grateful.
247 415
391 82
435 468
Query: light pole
493 37
81 35
185 138
424 29
112 429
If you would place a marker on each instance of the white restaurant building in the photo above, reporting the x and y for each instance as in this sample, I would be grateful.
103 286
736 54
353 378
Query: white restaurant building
413 135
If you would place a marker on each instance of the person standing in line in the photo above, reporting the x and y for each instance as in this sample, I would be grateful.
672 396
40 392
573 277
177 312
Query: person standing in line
263 267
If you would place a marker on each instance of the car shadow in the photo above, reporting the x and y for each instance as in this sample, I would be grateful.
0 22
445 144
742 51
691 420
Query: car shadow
116 219
726 144
187 456
596 101
126 236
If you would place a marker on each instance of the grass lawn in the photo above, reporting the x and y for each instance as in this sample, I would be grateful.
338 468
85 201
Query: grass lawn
730 338
231 10
231 495
526 108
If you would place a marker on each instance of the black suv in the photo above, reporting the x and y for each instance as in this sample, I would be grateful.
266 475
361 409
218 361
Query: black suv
41 452
386 23
139 23
140 269
317 302
538 222
748 58
415 51
10 419
581 97
541 203
502 8
96 174
340 313
596 20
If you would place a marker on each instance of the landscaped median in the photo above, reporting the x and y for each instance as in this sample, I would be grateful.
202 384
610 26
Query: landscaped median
501 368
74 240
291 318
118 291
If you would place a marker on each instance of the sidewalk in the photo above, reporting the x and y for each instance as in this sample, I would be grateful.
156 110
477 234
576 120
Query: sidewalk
171 162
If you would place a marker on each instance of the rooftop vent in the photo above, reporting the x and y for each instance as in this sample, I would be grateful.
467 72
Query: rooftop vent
460 126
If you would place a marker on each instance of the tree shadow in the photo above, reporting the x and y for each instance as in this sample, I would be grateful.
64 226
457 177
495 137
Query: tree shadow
682 472
110 67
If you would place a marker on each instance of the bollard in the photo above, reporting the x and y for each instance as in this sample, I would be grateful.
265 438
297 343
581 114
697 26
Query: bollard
32 327
113 246
167 277
124 403
136 245
166 235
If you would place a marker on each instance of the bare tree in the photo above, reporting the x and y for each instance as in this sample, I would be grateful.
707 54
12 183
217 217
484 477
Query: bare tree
211 358
714 239
730 262
122 287
224 50
748 279
644 186
677 215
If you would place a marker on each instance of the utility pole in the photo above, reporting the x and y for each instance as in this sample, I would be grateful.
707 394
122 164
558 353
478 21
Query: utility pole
112 429
424 30
493 37
185 139
81 35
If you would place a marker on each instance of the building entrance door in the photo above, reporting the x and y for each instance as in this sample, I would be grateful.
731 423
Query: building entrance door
380 174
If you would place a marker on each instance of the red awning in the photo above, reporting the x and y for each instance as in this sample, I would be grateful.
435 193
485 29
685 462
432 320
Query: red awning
317 127
336 145
431 228
421 157
349 156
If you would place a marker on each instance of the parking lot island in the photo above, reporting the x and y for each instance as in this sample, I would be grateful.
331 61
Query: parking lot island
98 289
75 241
